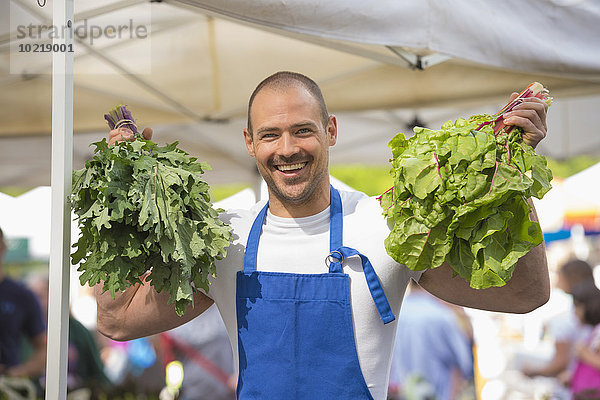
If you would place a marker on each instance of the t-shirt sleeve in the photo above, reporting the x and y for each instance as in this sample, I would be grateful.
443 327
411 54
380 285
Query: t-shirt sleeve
563 327
416 275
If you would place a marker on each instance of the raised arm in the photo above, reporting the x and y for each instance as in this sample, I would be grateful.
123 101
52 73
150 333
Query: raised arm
528 289
141 311
529 286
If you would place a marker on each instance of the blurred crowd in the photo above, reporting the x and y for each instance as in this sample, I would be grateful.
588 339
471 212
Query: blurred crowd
574 366
434 357
99 368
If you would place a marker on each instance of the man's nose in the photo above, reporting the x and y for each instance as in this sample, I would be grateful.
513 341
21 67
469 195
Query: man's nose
288 144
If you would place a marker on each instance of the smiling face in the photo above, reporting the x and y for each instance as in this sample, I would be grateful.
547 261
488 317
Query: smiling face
291 147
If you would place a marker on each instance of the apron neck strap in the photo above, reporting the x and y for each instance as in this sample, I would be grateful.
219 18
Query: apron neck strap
335 232
336 220
251 252
337 254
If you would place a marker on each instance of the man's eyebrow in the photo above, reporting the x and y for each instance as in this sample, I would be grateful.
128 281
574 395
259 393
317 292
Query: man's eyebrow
266 129
304 123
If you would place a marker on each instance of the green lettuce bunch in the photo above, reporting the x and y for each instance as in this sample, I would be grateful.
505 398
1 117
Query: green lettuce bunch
142 205
461 195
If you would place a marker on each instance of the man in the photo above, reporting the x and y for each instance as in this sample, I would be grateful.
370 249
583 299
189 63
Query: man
85 368
20 318
302 324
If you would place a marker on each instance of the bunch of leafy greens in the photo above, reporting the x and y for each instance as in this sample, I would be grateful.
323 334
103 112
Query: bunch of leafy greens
461 195
141 205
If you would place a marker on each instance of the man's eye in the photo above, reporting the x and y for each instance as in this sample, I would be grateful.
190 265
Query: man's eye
303 130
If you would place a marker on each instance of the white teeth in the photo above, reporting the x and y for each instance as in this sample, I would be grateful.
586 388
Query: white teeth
290 167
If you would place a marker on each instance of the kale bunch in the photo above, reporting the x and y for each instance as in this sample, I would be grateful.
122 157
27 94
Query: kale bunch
140 207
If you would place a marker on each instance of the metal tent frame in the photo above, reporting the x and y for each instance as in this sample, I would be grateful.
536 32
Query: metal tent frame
62 155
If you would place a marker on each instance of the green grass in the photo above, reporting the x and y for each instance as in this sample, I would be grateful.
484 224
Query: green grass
563 169
14 191
372 180
220 192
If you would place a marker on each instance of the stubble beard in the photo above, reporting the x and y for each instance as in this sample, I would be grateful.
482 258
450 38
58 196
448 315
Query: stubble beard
306 194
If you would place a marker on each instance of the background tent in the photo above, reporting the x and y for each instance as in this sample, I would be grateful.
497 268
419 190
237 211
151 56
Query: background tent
582 205
191 79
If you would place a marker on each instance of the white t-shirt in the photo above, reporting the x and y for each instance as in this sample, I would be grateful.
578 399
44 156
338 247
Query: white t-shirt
301 246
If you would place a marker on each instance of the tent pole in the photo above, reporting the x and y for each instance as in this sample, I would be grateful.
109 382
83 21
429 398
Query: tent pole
60 236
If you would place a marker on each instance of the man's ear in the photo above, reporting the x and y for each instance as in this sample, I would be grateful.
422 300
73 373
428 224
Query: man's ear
249 142
332 130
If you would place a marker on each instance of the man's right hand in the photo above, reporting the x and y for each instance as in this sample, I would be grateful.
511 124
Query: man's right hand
121 134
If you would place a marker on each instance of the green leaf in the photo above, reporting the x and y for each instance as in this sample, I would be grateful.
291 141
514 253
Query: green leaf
398 145
420 246
423 176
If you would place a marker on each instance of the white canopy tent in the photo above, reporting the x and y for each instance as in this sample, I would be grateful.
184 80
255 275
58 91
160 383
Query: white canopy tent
398 54
191 78
198 63
541 36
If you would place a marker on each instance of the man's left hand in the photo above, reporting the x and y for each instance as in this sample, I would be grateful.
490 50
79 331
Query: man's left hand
529 115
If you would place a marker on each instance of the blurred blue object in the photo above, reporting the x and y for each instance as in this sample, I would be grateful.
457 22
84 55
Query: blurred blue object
558 235
141 355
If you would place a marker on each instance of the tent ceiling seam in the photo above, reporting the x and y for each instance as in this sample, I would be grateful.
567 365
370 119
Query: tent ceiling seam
319 41
214 63
170 101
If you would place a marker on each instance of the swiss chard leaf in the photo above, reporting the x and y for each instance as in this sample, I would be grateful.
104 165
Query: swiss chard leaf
459 196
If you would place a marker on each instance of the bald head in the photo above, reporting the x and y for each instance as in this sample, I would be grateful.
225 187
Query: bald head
284 80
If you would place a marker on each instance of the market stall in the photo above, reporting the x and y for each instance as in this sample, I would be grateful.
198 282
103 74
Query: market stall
396 55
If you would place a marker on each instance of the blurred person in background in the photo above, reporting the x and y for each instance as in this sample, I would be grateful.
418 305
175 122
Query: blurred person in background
203 348
565 329
85 369
21 319
585 379
433 351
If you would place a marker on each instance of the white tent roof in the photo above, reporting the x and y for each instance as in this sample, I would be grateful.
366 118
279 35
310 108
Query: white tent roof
192 81
541 36
196 67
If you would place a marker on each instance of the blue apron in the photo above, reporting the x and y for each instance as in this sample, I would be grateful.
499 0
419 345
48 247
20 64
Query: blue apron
295 334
